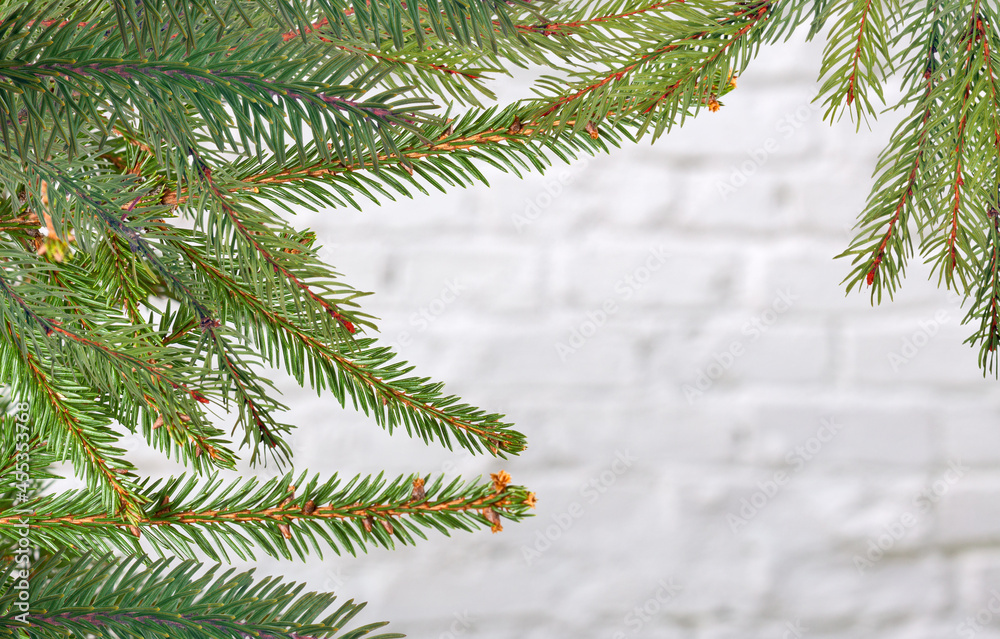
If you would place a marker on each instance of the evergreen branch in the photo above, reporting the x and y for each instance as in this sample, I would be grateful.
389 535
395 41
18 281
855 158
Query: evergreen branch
218 517
126 365
75 430
551 29
862 37
960 146
986 302
363 371
966 216
135 376
131 597
398 60
239 88
896 195
224 202
426 72
693 72
254 400
66 88
463 22
25 458
96 203
123 283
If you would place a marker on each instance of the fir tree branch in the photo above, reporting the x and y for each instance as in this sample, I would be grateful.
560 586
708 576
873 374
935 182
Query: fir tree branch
75 89
280 517
75 430
253 239
986 302
857 56
607 18
697 65
254 400
902 168
363 371
108 596
962 139
479 23
123 363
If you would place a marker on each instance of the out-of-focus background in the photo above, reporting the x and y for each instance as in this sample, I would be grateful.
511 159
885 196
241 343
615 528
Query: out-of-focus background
722 443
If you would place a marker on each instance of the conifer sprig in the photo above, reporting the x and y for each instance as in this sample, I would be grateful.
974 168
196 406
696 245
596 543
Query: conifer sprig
857 56
132 597
280 517
986 301
903 170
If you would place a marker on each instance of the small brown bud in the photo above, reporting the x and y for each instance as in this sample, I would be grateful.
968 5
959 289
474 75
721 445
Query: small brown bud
418 490
309 508
367 523
164 506
286 530
169 197
592 129
387 525
132 528
494 519
516 126
500 480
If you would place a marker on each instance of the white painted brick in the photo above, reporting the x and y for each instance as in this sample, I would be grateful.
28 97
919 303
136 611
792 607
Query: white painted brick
729 202
927 351
875 434
793 354
828 196
521 358
970 514
655 270
847 595
809 271
970 433
440 277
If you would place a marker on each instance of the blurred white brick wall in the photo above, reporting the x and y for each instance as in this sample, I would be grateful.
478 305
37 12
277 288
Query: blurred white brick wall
753 508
